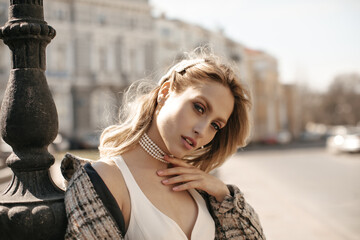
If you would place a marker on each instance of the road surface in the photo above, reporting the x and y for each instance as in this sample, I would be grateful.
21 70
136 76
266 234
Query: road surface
301 193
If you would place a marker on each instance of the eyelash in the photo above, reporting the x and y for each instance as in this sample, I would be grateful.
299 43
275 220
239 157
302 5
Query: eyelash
216 126
200 109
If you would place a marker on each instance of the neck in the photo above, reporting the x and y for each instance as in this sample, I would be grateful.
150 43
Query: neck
142 159
155 136
151 148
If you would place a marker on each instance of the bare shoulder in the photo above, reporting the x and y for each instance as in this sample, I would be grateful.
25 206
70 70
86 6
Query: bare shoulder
106 168
113 179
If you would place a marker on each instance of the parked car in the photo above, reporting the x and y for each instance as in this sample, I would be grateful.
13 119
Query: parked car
349 142
284 137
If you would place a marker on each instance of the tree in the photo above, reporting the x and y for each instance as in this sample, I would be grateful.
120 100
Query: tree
341 103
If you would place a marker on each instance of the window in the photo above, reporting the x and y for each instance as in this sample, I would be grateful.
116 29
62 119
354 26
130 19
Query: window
4 59
83 53
119 54
103 59
165 32
57 59
103 108
101 19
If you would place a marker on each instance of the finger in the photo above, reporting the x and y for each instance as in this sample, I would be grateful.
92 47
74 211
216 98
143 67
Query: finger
181 179
177 171
186 186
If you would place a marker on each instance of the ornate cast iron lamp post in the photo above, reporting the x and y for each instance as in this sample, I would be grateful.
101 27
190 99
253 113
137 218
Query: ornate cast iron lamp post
32 206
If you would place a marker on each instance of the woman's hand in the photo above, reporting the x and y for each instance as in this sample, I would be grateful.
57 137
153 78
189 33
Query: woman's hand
185 176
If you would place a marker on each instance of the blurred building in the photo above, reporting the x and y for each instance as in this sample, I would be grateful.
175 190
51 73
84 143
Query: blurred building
174 37
4 50
102 46
267 95
293 110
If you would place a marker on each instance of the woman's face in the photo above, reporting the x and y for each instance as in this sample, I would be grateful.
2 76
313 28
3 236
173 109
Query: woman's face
190 119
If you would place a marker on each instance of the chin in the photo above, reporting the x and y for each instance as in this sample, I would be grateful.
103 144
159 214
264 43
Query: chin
177 154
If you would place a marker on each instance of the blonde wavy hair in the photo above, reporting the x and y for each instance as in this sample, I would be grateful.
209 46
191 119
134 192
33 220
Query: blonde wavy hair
138 110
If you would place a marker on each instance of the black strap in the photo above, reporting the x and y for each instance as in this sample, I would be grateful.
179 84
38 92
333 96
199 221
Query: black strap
106 197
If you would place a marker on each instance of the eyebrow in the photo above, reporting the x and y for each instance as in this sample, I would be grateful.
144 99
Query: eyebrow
211 109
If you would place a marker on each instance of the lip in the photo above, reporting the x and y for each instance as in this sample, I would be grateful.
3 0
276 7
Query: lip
187 145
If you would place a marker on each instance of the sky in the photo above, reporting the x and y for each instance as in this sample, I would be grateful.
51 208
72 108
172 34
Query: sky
313 40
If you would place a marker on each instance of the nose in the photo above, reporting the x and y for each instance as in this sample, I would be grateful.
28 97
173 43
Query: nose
199 129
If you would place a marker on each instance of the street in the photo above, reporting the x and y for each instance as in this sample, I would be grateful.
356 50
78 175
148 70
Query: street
300 193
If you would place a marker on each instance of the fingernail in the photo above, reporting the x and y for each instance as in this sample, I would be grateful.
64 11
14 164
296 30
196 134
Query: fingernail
159 172
175 188
164 181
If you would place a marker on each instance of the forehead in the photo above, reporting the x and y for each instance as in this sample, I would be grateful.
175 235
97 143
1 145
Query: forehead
217 95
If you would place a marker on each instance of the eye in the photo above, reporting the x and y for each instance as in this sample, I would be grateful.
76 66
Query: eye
199 108
216 126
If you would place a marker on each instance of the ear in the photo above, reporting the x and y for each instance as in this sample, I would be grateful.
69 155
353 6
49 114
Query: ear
164 92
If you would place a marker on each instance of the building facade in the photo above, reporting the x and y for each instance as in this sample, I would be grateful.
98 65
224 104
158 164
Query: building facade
174 38
267 96
4 50
102 46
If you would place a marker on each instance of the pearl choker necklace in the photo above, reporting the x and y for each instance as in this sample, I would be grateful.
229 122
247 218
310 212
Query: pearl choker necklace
151 148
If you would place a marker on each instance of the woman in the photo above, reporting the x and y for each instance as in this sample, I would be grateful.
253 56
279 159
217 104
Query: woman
153 181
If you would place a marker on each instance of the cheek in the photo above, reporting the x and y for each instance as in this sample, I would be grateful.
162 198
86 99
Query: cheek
167 119
209 137
173 112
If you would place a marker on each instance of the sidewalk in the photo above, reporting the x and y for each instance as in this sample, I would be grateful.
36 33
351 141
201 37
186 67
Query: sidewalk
281 216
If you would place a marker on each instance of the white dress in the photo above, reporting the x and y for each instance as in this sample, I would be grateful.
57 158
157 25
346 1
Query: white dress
149 223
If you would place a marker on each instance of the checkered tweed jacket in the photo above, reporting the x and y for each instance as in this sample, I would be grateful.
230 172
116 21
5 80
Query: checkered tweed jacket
88 218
